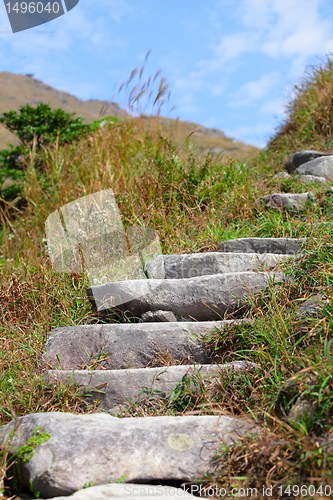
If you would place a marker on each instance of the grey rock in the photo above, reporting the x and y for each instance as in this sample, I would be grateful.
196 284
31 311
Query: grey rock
205 264
286 246
320 167
204 298
213 131
311 307
216 151
286 201
311 178
290 389
100 448
297 159
159 316
78 347
155 269
127 492
281 175
120 388
303 409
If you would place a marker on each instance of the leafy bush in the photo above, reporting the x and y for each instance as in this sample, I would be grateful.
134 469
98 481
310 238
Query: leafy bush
44 125
12 158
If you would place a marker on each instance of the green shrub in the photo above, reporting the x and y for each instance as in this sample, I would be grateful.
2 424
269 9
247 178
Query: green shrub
35 127
43 124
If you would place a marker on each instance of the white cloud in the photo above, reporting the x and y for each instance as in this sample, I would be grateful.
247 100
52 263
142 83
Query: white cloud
232 46
254 90
276 28
273 106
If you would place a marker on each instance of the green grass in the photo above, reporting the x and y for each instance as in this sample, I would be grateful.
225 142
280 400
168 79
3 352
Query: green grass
193 207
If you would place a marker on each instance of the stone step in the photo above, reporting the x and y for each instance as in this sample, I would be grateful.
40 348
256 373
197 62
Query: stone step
131 491
99 448
122 387
284 246
301 157
126 345
204 298
294 202
319 167
202 264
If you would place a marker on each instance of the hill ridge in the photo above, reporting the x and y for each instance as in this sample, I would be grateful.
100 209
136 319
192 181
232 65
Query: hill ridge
18 90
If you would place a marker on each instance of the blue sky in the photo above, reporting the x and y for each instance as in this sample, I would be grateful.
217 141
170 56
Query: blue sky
229 64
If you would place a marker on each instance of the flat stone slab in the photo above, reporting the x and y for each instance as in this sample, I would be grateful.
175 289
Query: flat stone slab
320 167
127 492
311 178
100 448
286 201
301 157
204 298
126 345
120 388
284 246
203 264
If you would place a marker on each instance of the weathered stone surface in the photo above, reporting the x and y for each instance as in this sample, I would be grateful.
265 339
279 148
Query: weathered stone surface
281 175
311 307
202 298
122 387
127 492
303 409
205 264
320 167
126 345
101 448
286 201
287 246
297 159
159 316
311 178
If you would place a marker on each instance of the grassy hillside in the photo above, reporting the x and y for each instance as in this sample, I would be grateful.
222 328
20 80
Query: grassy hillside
309 122
201 140
193 205
18 90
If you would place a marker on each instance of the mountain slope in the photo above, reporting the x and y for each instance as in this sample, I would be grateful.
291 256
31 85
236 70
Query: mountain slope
18 90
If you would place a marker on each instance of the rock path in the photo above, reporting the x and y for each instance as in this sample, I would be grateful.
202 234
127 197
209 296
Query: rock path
107 346
311 166
184 299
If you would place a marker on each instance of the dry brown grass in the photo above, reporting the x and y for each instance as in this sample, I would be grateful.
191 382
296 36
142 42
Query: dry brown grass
309 122
193 207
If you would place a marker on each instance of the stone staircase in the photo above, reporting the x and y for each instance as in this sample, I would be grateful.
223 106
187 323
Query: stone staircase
112 364
183 299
